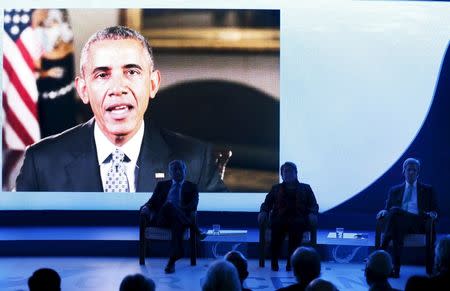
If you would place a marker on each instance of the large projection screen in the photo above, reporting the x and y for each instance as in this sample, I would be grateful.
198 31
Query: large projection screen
356 83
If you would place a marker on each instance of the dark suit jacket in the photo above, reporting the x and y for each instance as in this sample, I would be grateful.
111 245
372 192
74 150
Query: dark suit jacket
277 204
68 161
426 198
188 201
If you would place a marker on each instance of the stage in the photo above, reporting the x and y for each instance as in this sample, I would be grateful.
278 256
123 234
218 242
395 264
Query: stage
98 257
106 273
95 250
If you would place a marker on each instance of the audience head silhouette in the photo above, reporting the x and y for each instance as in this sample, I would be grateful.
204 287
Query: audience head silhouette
305 262
137 282
378 267
418 283
177 170
45 279
240 262
221 276
320 285
442 258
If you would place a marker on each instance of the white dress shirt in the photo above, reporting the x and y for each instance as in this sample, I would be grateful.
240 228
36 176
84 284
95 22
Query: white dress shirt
411 205
131 149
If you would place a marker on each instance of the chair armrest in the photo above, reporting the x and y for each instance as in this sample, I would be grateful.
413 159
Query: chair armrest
430 227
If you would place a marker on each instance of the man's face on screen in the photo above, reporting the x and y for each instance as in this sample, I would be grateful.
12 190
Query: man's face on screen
118 82
411 173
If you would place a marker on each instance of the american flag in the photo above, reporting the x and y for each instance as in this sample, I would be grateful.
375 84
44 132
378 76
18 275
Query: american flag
20 49
20 126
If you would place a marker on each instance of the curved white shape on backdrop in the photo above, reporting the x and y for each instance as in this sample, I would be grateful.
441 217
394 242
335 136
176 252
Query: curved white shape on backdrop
357 83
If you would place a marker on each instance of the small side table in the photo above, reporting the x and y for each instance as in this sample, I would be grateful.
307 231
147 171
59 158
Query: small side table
218 244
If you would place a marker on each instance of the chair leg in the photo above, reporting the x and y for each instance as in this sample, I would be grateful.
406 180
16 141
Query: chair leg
429 248
193 242
378 231
262 247
313 237
142 250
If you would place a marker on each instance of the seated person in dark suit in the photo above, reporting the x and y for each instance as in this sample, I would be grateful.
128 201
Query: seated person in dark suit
377 271
306 264
290 206
240 262
173 205
441 281
407 208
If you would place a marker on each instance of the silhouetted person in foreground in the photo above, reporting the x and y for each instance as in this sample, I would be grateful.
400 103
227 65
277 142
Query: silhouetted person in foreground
137 282
321 285
418 283
221 276
441 281
378 269
306 265
45 279
173 205
240 262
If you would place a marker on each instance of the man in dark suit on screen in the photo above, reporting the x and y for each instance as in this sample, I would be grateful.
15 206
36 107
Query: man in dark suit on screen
173 205
117 150
407 208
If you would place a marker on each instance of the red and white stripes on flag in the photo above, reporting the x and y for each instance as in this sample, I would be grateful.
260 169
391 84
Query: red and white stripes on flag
20 94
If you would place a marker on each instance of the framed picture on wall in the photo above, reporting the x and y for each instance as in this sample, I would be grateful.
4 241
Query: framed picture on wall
207 29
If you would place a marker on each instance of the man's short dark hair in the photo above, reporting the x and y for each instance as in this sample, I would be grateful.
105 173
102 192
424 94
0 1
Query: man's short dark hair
305 264
44 279
115 33
137 282
240 262
288 165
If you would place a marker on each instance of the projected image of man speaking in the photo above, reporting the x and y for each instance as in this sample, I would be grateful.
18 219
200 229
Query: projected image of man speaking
117 150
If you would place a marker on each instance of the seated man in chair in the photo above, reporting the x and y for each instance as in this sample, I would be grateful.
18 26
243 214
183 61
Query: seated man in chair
292 208
407 209
173 205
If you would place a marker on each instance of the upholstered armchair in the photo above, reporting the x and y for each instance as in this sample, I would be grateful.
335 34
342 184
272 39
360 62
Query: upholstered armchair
309 237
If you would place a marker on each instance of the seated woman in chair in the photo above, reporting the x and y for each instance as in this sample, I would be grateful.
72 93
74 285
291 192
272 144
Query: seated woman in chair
291 208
